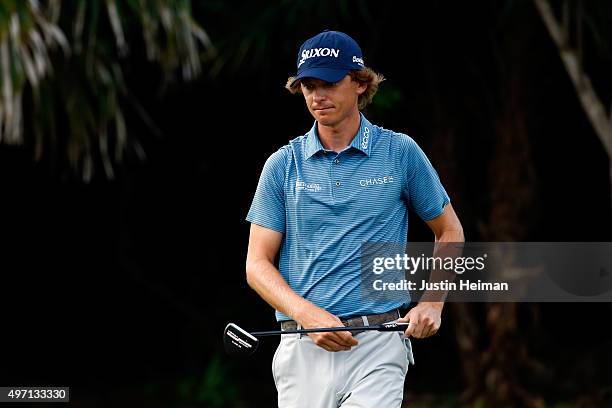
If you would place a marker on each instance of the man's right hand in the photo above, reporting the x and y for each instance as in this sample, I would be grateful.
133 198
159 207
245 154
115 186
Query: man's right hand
314 316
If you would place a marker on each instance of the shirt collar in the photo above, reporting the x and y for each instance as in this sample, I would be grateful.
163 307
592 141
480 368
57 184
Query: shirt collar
362 140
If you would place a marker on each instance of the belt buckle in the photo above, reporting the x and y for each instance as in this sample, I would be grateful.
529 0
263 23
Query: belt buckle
356 321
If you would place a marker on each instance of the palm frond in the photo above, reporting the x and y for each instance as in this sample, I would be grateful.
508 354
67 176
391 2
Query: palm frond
69 56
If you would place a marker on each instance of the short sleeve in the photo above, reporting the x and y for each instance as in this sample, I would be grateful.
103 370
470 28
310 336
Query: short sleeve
268 206
422 189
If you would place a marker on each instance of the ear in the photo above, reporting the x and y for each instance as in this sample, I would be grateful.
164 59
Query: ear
361 88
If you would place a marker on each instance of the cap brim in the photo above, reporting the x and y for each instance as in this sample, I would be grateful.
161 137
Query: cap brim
324 74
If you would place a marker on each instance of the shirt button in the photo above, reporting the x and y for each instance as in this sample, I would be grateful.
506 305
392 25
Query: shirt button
337 184
336 161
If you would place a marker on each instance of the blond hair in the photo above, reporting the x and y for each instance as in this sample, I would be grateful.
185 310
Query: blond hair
363 76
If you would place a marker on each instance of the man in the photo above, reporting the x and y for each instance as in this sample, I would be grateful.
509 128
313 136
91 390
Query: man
319 198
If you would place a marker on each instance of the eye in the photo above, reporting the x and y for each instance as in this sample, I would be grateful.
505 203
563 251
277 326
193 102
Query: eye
308 85
330 84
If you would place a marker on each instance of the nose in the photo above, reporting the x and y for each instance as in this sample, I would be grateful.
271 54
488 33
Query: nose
319 94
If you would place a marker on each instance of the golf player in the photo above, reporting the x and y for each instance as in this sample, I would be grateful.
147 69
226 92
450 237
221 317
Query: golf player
343 183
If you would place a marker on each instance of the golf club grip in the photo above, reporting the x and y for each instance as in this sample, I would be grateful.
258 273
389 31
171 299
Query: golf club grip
378 327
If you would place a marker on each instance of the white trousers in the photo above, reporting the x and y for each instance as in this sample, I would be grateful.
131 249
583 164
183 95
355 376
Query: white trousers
370 375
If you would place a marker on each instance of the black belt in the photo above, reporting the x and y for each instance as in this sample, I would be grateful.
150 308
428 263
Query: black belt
355 321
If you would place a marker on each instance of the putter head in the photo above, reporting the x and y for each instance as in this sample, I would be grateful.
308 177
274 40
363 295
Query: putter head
239 342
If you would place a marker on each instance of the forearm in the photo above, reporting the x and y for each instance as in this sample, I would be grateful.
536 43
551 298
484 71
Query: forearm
437 297
267 281
451 235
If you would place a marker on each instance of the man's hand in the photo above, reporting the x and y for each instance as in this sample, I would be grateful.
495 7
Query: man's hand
424 319
314 316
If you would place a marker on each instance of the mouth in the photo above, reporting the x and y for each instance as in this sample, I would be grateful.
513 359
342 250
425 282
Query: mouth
323 109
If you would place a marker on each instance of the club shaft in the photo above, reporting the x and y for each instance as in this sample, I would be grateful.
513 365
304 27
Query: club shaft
398 327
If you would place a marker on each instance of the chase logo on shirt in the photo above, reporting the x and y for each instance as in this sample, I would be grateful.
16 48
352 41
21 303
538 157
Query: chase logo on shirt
303 186
375 181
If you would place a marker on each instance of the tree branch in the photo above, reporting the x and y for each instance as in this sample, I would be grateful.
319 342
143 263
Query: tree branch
591 103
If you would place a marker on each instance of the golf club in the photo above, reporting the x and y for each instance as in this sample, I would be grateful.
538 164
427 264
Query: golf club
239 342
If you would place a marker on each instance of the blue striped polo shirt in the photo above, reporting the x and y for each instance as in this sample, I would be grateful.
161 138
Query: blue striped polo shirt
326 204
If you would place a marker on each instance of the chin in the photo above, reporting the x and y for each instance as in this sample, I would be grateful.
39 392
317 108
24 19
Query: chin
326 120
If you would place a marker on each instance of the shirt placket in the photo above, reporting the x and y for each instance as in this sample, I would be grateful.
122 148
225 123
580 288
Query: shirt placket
337 176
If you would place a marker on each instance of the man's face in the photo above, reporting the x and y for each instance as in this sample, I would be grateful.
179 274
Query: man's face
330 103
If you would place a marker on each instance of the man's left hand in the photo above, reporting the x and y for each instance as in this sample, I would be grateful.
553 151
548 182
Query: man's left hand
425 319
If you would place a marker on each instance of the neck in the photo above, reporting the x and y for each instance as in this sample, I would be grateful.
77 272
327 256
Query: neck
336 137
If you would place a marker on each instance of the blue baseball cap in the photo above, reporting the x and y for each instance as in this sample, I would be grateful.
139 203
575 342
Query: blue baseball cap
328 56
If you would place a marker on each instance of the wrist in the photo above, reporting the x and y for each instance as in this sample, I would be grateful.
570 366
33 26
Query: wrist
435 305
303 309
